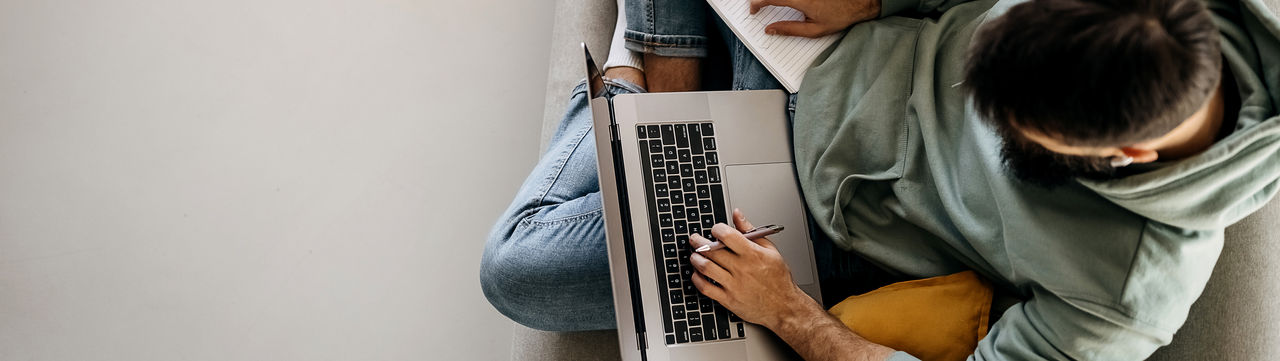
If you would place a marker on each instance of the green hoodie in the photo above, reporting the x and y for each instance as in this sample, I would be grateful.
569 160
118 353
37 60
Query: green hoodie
896 165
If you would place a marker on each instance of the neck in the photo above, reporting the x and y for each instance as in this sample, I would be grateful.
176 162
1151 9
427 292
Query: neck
1196 134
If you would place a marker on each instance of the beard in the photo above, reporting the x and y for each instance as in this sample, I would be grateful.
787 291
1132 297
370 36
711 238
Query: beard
1031 163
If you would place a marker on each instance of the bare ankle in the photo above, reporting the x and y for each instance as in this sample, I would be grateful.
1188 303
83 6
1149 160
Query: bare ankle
632 75
672 74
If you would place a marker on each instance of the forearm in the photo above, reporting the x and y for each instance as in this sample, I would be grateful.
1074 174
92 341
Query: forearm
818 336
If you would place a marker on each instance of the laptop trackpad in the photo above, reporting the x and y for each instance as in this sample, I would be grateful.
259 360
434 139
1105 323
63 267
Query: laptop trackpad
768 194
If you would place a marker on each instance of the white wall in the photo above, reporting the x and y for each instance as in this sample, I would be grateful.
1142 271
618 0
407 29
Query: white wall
260 179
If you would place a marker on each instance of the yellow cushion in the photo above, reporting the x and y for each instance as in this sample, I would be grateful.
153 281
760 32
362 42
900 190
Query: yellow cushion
939 318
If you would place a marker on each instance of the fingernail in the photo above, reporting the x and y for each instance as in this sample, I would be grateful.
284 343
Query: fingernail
770 31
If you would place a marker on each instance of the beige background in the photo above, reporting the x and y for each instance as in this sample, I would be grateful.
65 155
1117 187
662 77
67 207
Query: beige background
260 179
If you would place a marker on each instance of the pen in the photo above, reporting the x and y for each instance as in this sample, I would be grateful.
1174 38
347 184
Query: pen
753 234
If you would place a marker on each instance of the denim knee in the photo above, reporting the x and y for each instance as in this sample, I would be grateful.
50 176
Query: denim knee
557 284
675 28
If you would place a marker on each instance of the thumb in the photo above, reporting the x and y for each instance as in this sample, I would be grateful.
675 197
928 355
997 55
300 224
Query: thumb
794 28
741 221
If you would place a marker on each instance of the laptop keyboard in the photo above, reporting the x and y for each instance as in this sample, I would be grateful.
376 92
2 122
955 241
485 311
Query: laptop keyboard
685 195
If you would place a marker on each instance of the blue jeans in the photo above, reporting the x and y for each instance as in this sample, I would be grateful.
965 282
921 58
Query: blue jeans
544 262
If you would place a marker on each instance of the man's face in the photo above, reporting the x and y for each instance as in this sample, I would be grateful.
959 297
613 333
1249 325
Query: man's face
1029 159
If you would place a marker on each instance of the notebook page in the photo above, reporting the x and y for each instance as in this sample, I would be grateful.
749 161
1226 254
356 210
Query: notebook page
787 57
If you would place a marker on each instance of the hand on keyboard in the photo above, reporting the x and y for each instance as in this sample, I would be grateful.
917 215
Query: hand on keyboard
751 278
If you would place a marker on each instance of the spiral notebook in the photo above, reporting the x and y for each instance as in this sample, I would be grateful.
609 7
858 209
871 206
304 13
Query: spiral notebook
787 57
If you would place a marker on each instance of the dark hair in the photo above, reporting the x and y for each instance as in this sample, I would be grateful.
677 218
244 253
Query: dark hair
1095 72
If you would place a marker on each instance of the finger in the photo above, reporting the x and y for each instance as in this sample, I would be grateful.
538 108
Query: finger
709 268
741 221
704 285
756 5
731 238
767 244
724 258
795 28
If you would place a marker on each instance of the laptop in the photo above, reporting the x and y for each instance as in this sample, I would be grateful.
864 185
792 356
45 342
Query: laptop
673 164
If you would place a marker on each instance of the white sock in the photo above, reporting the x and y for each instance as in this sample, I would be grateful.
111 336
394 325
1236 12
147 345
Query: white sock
618 53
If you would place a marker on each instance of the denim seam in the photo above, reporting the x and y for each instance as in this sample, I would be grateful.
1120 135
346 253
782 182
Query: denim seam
561 160
530 222
666 41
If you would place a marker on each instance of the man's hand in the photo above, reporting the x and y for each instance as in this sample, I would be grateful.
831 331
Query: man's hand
822 17
753 281
751 278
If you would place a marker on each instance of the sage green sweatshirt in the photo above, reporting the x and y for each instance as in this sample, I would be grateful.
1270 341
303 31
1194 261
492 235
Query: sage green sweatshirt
896 164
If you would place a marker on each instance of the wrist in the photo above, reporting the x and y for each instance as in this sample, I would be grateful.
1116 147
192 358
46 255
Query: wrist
799 313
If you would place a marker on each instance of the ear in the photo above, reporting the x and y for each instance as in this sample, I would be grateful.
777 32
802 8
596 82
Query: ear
1140 155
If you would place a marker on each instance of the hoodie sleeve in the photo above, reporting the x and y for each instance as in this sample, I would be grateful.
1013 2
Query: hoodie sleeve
1169 271
1048 327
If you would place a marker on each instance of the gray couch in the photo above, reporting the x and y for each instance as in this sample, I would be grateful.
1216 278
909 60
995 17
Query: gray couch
1237 318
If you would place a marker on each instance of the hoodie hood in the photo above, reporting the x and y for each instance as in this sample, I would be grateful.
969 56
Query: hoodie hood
1238 174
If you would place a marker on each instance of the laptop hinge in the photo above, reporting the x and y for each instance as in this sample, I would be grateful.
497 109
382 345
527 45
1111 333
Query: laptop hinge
628 235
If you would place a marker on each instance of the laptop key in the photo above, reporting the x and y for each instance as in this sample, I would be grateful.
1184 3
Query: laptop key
673 169
668 236
709 322
671 339
717 201
673 182
670 153
695 334
708 221
655 160
682 138
707 131
700 176
677 297
722 322
712 158
695 132
704 206
669 251
681 226
664 205
709 143
673 266
668 134
677 312
653 131
655 146
693 317
695 228
659 175
686 171
713 174
741 331
682 332
660 189
691 199
688 185
684 156
641 133
678 212
664 220
704 192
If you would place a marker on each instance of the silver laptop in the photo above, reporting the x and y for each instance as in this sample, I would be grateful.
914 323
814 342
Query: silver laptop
673 164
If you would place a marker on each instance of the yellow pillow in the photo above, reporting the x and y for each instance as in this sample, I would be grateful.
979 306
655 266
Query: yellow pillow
940 318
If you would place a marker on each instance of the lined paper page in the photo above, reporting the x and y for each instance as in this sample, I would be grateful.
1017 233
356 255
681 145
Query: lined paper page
787 57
